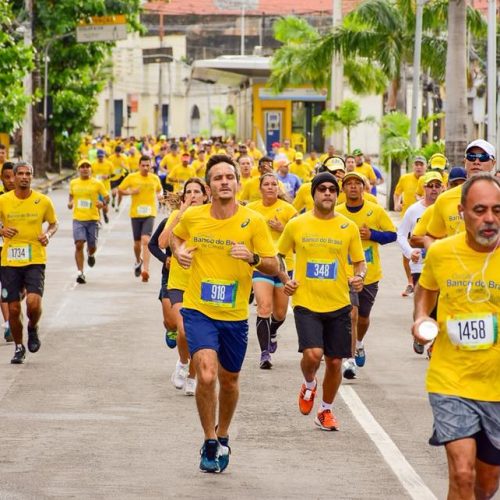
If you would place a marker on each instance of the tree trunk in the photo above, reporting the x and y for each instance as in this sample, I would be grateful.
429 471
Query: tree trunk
38 125
456 83
395 175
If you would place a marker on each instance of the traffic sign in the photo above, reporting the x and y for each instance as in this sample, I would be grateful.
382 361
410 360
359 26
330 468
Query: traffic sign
102 29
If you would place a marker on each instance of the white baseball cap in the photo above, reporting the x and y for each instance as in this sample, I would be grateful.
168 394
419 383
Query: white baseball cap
484 145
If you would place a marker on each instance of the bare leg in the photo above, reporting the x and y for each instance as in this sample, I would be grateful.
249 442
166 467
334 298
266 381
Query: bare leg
79 254
332 378
311 359
15 321
228 398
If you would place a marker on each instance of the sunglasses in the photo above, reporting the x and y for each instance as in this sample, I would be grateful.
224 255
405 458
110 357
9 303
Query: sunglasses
433 186
324 189
482 157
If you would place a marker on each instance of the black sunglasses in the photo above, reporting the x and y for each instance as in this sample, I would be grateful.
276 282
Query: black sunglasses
324 189
482 157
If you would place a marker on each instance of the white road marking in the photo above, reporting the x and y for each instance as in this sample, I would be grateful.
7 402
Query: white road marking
405 473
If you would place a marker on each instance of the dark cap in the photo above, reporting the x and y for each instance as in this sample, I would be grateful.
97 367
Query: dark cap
323 177
457 173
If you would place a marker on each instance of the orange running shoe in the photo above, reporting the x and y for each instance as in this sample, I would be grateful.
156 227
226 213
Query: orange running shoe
306 399
326 421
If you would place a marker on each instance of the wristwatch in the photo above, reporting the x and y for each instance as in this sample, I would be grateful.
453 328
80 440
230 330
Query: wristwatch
256 260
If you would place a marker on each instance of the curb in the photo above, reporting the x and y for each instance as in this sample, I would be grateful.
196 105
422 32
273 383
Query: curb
46 185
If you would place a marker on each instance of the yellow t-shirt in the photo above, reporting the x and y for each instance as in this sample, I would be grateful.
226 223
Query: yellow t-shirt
420 187
144 203
321 250
133 162
220 285
302 171
178 277
464 317
179 175
303 199
85 197
103 171
243 181
420 228
250 191
290 153
255 154
407 186
366 196
367 170
283 211
200 167
170 161
445 220
27 216
120 166
375 217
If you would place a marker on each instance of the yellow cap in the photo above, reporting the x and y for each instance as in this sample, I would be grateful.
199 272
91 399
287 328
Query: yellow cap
438 160
84 162
432 176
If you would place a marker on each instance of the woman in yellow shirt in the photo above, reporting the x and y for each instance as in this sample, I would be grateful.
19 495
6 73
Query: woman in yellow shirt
272 303
183 377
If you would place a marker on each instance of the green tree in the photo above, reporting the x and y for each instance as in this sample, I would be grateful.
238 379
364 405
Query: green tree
16 60
347 117
224 121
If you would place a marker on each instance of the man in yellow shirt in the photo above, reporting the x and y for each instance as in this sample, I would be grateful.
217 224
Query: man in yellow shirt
86 196
251 190
404 197
120 171
102 170
22 214
300 168
446 221
200 164
376 228
364 168
145 189
323 241
179 174
288 151
462 275
172 159
245 163
222 242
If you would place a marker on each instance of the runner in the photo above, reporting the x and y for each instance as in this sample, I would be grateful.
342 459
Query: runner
272 302
120 171
85 195
376 228
221 242
23 213
183 377
463 379
322 241
251 189
102 170
145 189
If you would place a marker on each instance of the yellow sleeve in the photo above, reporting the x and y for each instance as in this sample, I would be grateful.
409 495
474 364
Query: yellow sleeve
356 252
420 228
427 278
50 212
384 221
286 242
125 183
399 187
437 226
262 240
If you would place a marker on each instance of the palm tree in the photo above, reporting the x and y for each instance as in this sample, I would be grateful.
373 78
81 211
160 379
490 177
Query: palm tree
347 117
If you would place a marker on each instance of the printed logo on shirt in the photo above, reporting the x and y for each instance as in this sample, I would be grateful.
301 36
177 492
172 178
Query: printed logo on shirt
245 223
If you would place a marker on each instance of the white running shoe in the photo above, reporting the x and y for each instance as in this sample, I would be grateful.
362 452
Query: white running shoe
179 375
349 368
190 387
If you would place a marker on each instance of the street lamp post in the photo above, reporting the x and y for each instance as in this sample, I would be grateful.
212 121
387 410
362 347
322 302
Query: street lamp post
492 72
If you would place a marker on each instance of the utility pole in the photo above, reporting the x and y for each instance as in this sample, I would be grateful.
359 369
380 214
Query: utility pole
492 73
416 73
28 89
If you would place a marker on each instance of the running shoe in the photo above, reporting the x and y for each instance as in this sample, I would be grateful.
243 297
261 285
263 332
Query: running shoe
306 399
19 355
273 345
81 278
145 276
224 452
171 338
33 340
91 260
408 291
179 376
349 369
7 335
106 218
265 361
360 356
418 348
326 421
190 386
137 269
209 456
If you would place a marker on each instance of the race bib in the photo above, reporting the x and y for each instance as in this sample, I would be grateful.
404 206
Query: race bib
473 332
321 270
84 203
20 254
219 293
143 210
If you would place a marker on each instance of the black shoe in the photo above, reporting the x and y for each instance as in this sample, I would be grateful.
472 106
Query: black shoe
91 261
81 279
33 340
418 348
106 218
137 269
19 355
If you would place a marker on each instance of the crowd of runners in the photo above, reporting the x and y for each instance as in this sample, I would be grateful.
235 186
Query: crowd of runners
240 227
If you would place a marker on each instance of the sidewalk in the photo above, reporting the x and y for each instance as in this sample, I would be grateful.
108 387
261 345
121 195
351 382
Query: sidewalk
45 185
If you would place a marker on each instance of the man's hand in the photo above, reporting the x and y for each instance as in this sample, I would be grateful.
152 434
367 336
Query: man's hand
184 255
356 283
365 232
240 251
275 224
44 239
416 325
134 190
99 204
291 287
70 205
9 232
398 207
415 255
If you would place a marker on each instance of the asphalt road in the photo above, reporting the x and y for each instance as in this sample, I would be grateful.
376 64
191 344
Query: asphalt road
93 413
